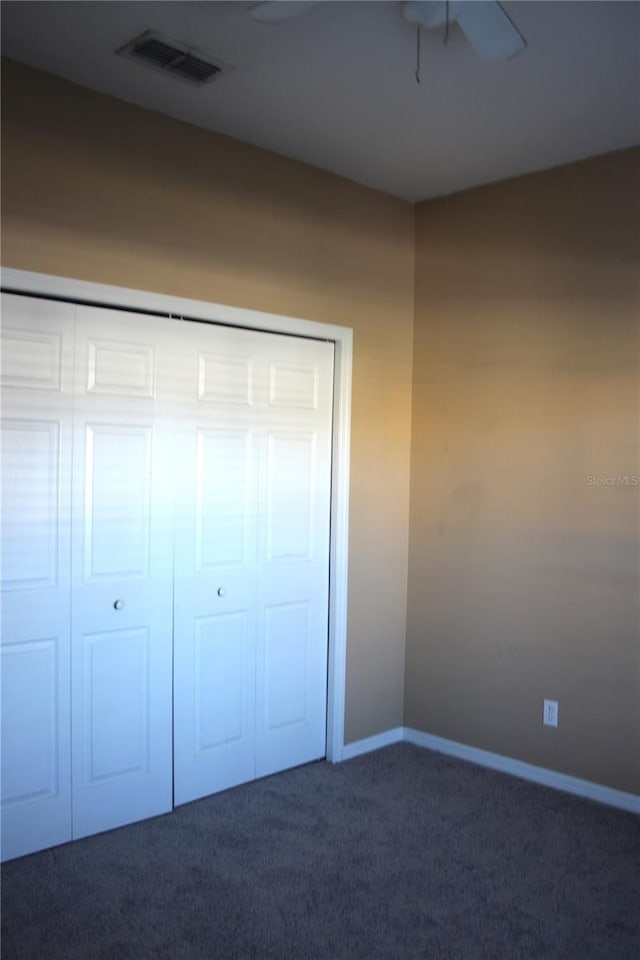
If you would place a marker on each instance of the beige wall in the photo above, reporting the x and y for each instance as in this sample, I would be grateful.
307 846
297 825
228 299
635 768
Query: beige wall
523 577
100 190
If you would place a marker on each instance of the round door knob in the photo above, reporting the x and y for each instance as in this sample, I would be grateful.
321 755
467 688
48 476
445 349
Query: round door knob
118 604
222 591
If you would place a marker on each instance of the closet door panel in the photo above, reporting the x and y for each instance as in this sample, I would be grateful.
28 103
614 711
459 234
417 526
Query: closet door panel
215 611
122 570
293 554
37 367
223 498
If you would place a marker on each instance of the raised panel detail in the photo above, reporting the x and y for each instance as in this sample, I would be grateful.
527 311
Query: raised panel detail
29 721
120 369
220 668
225 379
30 466
286 644
116 704
223 473
31 360
290 496
117 501
293 385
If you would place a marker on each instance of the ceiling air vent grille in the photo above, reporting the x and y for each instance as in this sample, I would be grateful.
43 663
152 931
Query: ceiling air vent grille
173 58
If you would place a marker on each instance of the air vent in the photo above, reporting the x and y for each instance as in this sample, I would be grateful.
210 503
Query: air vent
176 59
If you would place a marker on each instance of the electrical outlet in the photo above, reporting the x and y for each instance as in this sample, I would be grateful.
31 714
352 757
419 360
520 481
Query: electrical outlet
550 713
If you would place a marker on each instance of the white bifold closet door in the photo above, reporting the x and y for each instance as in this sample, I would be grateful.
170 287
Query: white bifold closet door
252 556
87 571
37 375
165 563
122 569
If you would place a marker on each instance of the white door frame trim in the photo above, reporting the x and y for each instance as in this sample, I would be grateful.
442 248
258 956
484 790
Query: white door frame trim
98 294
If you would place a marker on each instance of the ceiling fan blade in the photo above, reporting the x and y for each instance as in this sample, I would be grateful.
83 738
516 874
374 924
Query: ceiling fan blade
274 11
489 30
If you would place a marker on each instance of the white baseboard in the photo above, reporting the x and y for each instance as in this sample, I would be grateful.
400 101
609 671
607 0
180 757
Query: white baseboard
358 747
484 758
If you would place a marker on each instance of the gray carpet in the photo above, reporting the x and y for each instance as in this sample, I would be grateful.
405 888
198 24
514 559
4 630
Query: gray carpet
399 854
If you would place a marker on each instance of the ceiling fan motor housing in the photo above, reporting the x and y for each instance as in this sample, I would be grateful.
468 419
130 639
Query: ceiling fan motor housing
430 14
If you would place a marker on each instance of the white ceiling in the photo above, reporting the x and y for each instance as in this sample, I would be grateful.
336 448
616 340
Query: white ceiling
336 87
